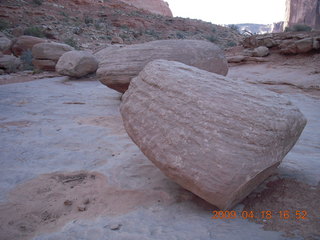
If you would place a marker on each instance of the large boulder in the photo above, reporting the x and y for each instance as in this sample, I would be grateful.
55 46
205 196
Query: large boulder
215 136
9 63
25 43
46 55
76 64
5 44
120 65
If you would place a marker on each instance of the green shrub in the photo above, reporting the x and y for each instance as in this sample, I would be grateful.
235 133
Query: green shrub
26 59
34 31
71 42
212 39
234 27
231 44
180 35
3 24
88 20
298 28
38 2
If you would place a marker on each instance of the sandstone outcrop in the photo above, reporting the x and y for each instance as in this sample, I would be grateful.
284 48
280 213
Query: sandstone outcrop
154 6
217 137
120 65
76 64
286 42
25 43
306 12
46 55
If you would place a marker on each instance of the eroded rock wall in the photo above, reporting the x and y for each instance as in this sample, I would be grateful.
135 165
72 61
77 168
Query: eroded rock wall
303 12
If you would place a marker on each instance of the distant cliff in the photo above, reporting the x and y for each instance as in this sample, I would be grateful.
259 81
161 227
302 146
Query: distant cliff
303 12
154 6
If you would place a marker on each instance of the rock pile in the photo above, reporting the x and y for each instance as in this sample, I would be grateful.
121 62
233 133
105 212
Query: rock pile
286 42
215 136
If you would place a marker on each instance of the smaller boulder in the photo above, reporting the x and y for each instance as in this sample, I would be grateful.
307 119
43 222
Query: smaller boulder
9 63
261 51
25 43
77 64
116 40
304 45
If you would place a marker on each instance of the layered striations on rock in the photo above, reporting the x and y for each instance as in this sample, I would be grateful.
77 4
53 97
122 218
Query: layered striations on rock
217 137
119 65
154 6
305 12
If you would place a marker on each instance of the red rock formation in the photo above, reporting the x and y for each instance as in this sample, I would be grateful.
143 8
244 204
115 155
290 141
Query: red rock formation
154 6
303 12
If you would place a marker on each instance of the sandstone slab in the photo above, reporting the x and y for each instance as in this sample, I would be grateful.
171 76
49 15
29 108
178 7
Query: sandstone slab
76 64
120 65
215 136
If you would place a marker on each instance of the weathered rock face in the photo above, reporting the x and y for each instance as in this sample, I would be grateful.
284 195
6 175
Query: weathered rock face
25 43
305 12
217 137
120 65
154 6
46 55
76 64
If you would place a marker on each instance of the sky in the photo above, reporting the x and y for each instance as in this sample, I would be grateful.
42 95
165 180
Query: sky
230 11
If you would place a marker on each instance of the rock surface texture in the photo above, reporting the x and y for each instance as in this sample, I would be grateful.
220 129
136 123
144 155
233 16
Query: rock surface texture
46 55
154 6
76 64
306 12
120 65
217 137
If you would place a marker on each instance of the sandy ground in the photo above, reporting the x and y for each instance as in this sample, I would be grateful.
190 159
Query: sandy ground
68 170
